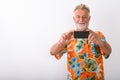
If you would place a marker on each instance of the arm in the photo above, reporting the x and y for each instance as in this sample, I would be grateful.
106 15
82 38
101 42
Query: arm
104 46
58 48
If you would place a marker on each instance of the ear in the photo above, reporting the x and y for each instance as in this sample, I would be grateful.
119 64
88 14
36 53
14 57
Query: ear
89 18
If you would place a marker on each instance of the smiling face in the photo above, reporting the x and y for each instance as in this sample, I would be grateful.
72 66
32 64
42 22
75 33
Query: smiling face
81 18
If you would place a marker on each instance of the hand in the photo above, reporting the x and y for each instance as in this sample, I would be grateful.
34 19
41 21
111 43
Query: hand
66 38
93 37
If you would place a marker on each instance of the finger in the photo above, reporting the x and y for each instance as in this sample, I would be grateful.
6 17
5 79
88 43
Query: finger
64 36
72 39
69 34
69 40
71 31
90 35
91 38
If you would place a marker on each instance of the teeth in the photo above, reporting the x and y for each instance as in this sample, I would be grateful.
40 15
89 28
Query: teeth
81 26
81 23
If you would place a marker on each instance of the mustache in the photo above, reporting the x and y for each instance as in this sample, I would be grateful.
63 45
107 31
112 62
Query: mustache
81 26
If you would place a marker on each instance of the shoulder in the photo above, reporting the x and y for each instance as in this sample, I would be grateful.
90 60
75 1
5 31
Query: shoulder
100 34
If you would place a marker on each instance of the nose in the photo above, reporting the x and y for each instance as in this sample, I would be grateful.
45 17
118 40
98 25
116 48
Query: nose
81 19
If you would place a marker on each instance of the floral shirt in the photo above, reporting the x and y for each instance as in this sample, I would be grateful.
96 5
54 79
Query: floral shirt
84 60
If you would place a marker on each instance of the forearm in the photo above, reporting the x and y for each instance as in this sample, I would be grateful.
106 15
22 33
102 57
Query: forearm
105 47
59 47
56 48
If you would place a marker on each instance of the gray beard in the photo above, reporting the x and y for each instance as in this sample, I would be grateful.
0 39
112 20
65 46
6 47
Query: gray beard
81 27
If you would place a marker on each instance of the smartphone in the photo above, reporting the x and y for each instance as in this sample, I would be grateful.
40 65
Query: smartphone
81 34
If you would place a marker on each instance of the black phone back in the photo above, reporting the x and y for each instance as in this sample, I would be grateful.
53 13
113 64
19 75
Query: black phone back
81 34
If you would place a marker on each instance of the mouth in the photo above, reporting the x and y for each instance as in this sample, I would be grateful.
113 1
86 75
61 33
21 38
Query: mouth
81 23
81 26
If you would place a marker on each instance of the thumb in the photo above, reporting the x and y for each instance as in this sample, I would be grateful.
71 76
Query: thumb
69 40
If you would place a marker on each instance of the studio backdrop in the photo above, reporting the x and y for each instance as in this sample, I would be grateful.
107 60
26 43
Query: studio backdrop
28 29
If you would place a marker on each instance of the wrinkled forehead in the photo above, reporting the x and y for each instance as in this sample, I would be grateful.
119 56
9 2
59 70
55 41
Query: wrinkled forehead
81 12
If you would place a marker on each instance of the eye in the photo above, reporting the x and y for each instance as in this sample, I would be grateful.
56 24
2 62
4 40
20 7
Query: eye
77 16
84 17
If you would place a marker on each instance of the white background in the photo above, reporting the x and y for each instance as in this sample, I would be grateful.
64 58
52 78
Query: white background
28 28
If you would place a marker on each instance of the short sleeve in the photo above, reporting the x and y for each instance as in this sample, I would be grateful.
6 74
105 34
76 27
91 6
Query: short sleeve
63 51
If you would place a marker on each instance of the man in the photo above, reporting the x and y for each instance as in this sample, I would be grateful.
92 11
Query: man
84 55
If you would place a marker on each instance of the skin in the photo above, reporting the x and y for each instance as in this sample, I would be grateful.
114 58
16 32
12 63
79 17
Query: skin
81 16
